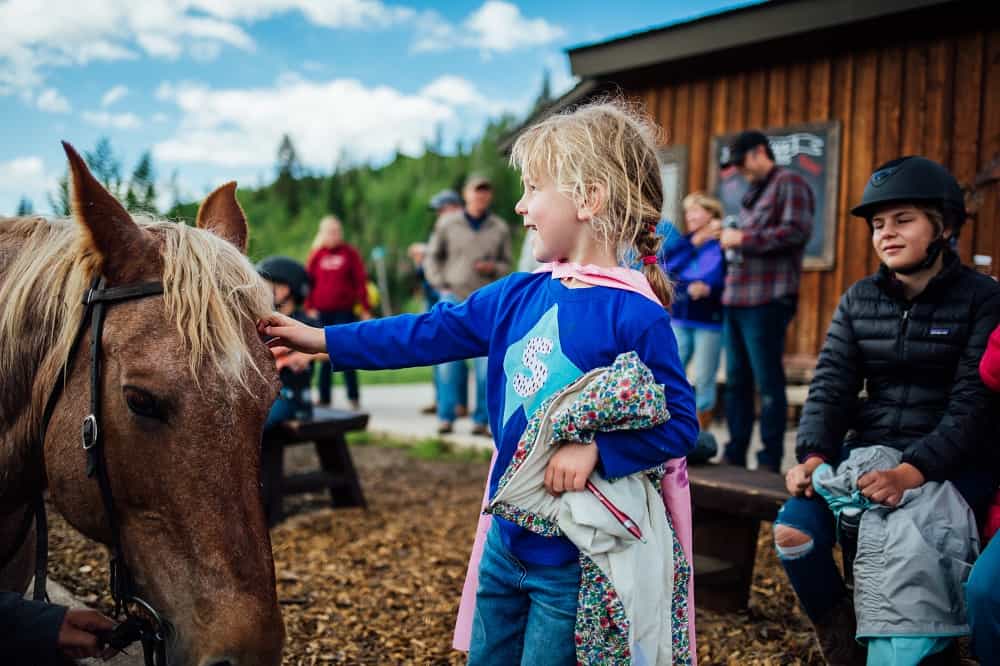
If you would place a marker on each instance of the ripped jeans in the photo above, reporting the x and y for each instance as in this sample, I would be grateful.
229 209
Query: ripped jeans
810 567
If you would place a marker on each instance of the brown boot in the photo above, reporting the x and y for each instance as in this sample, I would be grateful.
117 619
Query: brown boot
835 635
705 420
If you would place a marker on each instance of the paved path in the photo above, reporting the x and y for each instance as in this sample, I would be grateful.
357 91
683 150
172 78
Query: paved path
395 411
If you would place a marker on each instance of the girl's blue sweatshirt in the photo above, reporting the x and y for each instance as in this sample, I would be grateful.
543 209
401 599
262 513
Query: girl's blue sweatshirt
685 263
538 336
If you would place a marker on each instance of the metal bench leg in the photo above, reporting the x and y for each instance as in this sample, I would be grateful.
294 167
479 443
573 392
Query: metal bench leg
336 460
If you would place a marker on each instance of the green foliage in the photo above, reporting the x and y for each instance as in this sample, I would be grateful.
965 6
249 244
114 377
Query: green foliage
384 206
418 375
421 449
141 193
105 166
138 194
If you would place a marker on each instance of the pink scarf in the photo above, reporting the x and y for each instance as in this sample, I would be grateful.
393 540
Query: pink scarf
676 490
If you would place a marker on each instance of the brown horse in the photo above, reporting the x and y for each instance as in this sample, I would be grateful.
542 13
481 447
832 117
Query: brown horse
186 384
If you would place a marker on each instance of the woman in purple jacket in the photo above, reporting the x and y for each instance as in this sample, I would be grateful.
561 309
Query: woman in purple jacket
697 266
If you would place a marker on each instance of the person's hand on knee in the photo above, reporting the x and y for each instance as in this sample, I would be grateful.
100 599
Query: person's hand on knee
798 479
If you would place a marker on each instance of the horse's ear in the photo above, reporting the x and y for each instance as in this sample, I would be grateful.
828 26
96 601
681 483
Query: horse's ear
111 231
221 214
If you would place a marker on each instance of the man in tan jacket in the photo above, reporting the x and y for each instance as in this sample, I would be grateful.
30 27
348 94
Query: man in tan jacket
468 250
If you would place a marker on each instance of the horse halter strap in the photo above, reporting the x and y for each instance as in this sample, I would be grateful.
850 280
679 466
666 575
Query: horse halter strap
147 629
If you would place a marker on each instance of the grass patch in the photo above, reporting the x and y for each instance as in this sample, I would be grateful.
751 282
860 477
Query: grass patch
423 374
419 375
421 449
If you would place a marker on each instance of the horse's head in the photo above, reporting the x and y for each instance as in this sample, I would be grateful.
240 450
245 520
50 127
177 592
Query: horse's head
185 388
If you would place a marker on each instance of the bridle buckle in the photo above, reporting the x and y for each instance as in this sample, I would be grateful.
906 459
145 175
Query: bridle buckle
89 432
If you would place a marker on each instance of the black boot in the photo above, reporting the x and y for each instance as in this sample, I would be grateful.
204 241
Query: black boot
835 635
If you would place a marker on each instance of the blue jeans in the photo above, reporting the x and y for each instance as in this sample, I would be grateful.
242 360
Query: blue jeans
287 406
755 342
812 572
463 384
525 613
452 384
703 346
332 318
983 597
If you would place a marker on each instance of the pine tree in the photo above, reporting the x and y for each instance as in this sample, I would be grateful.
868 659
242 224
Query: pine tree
105 166
141 194
59 201
544 98
24 207
288 169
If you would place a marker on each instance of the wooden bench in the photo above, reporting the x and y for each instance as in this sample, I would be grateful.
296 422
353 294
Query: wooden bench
728 505
326 431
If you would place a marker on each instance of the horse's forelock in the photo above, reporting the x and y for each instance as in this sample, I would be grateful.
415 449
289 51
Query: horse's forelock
211 293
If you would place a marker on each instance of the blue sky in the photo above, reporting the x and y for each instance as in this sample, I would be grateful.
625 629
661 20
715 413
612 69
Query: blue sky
209 86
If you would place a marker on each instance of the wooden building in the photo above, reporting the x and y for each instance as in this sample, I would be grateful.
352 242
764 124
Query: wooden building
891 78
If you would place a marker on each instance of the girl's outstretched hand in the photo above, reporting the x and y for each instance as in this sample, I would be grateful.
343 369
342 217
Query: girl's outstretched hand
287 332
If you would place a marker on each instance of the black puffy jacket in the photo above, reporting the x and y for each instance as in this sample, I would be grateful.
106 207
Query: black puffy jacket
918 362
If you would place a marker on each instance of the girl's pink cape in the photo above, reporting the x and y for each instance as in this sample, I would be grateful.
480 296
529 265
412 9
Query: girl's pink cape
676 489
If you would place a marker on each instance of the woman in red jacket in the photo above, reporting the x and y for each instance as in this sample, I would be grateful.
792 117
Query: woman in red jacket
981 590
339 283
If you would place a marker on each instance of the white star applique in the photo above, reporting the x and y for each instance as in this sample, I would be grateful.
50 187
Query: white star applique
536 367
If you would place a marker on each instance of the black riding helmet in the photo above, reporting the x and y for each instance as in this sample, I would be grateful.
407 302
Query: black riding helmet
915 179
287 271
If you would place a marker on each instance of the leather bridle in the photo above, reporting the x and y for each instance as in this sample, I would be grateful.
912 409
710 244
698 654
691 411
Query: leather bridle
139 620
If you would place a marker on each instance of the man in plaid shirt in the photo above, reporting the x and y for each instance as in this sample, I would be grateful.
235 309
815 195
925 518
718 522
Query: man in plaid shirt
761 294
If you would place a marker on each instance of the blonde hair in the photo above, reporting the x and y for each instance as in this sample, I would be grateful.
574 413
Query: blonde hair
710 204
606 148
321 231
211 291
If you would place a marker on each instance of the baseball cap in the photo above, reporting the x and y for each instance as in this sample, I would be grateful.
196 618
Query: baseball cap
445 198
744 142
475 181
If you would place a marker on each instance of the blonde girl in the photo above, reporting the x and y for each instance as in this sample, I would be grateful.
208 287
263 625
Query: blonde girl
592 193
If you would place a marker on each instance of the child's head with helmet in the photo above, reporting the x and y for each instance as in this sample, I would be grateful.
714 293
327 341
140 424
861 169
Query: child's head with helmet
915 208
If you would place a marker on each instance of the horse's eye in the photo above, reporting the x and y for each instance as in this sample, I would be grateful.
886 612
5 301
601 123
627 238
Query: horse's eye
144 403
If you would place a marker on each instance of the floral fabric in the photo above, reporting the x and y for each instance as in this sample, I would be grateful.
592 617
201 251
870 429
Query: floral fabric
623 396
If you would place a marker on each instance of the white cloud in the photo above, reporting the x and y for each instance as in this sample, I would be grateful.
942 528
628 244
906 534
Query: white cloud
366 122
454 90
561 78
52 101
205 51
113 95
118 121
326 13
36 36
24 177
21 170
496 27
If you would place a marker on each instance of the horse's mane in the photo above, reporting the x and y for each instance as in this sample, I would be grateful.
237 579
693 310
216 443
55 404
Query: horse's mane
210 291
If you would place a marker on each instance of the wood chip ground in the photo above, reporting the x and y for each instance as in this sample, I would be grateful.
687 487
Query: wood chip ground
382 586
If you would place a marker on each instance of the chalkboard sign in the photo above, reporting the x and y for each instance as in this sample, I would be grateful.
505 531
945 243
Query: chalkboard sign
812 151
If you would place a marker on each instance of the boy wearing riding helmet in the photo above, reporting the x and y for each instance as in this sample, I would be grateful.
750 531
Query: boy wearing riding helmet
290 283
897 476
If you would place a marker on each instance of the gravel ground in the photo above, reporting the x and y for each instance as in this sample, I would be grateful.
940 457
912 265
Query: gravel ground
382 586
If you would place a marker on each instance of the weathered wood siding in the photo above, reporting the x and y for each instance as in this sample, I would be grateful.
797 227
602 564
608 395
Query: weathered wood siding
935 97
